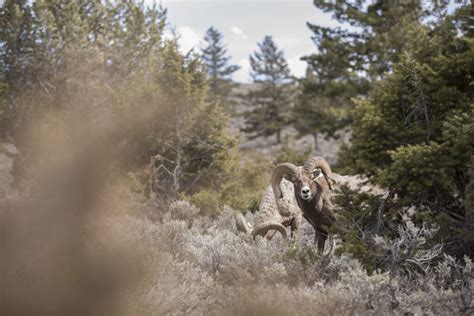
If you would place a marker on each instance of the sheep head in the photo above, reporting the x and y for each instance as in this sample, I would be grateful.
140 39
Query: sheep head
305 179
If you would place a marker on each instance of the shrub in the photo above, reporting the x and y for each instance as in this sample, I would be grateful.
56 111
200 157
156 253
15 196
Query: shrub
210 269
182 211
244 191
208 201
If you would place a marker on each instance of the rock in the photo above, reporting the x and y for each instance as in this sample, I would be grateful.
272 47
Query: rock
358 182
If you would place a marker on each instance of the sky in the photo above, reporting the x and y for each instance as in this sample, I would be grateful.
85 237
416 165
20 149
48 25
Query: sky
245 23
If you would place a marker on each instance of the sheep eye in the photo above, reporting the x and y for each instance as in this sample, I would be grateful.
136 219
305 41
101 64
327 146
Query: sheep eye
316 173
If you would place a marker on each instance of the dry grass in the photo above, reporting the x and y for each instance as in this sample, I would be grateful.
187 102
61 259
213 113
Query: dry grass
211 269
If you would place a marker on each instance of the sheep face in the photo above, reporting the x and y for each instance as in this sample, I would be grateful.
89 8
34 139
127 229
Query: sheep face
305 185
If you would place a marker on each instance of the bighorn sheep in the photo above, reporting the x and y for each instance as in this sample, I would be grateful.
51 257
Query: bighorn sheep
274 214
312 190
295 191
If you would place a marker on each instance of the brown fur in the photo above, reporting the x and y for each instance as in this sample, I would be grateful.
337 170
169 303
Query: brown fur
318 209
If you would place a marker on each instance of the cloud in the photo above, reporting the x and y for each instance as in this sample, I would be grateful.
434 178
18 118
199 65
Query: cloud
239 32
188 38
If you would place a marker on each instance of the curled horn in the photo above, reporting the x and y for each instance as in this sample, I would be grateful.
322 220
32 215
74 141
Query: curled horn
286 170
318 162
263 228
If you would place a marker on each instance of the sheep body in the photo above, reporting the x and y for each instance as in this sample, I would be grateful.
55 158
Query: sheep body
283 211
282 202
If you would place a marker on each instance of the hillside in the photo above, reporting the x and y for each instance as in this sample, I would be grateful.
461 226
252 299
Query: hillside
328 147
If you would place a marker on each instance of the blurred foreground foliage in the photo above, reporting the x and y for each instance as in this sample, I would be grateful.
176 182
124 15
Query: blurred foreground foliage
67 63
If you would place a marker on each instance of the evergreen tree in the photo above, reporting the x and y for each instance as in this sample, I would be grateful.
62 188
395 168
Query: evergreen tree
414 134
321 108
134 34
17 45
192 142
107 63
36 38
270 98
216 60
384 32
349 62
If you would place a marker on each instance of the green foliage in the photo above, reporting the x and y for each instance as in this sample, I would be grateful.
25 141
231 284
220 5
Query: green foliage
415 133
211 151
383 34
190 146
305 255
269 101
42 42
316 114
356 221
348 63
470 191
344 161
376 137
208 201
416 170
244 190
216 60
107 63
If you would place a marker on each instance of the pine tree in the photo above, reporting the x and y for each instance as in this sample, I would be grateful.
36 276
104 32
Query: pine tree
349 62
414 134
17 43
107 63
270 99
134 34
190 147
383 34
321 108
17 58
216 60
